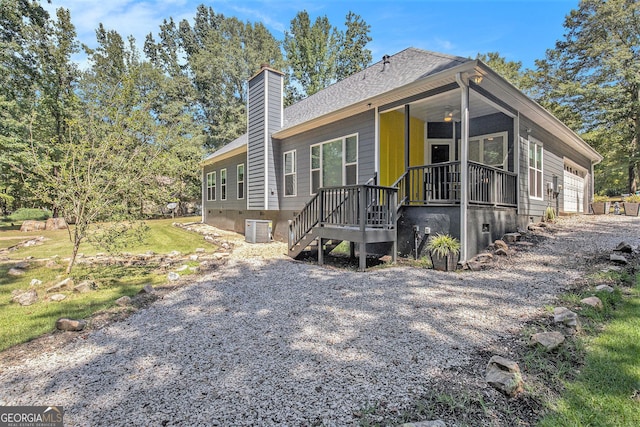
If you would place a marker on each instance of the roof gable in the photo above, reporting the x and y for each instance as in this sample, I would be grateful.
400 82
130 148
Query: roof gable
399 70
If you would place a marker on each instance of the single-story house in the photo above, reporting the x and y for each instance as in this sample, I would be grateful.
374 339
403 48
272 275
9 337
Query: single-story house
416 144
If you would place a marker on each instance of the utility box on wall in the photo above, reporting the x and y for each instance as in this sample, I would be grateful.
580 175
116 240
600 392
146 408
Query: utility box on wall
257 230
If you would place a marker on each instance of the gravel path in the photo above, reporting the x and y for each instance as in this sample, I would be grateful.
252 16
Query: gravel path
269 341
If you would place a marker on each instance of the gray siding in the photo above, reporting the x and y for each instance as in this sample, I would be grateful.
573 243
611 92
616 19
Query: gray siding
362 124
212 208
554 152
255 145
263 119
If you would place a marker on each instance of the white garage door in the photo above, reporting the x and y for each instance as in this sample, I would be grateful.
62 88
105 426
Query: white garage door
573 190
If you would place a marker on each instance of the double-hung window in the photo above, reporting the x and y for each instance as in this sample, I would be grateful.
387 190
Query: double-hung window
334 163
490 150
211 186
290 175
535 169
240 181
223 184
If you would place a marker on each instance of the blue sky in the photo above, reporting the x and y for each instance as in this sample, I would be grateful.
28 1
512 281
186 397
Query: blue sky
521 30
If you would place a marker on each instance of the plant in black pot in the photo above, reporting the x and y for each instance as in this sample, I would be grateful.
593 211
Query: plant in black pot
600 205
632 205
444 250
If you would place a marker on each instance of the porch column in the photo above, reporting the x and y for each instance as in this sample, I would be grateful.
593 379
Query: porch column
407 144
464 164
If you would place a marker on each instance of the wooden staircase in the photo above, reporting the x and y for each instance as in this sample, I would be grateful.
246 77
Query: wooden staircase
357 213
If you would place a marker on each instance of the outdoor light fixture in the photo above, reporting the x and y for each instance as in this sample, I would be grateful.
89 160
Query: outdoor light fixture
448 115
476 78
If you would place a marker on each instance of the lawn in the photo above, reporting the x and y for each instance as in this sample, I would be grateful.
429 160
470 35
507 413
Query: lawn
22 323
607 390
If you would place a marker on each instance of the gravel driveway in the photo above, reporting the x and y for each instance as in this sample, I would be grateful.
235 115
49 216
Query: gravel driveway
270 341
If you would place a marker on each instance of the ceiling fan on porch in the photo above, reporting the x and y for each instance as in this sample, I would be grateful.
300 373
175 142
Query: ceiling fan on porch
450 114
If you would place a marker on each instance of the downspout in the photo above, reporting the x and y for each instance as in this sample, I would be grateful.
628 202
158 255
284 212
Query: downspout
464 164
376 161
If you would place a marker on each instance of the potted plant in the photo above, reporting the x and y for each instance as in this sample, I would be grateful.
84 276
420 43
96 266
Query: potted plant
444 250
632 205
600 205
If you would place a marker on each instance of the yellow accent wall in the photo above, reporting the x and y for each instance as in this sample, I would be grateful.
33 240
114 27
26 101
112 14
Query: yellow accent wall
392 145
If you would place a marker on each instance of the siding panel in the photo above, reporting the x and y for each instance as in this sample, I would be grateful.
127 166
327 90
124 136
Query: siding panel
255 145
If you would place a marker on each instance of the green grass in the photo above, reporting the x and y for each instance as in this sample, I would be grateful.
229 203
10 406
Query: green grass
161 238
607 390
19 324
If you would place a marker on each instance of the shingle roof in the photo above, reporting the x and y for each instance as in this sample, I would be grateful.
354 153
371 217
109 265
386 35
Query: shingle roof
402 68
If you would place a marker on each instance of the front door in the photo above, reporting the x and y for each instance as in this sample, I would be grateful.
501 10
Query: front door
440 153
438 178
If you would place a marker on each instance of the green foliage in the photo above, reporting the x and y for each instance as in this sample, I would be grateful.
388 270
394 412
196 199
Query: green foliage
443 245
24 214
593 77
606 390
632 198
597 198
549 214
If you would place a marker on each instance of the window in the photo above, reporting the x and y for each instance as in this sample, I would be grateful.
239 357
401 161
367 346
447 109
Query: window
490 150
535 170
334 163
290 178
211 186
223 184
240 181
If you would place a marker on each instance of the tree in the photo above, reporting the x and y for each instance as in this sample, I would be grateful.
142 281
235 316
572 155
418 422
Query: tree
353 55
595 70
311 52
510 70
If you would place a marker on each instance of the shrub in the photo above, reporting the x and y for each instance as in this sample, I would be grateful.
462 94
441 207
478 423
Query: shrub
633 198
443 245
598 198
24 214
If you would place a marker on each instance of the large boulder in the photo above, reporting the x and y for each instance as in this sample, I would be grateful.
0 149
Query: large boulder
65 324
31 225
15 272
27 297
624 247
504 375
56 224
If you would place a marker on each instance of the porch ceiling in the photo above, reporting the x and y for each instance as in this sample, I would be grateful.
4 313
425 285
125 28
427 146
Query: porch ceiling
433 109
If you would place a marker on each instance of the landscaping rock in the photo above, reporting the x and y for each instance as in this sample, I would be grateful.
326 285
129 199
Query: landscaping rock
618 258
604 288
502 252
209 239
51 264
474 265
183 267
504 375
173 276
434 423
624 247
122 301
220 255
148 289
85 286
56 224
65 284
35 282
25 298
22 265
511 237
57 297
193 257
31 225
549 340
65 324
15 272
200 250
565 316
174 254
594 302
226 246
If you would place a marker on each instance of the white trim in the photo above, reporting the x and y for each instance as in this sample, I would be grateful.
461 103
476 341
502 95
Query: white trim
538 143
244 179
266 139
516 159
226 178
376 139
294 173
464 164
214 186
343 139
438 141
505 147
